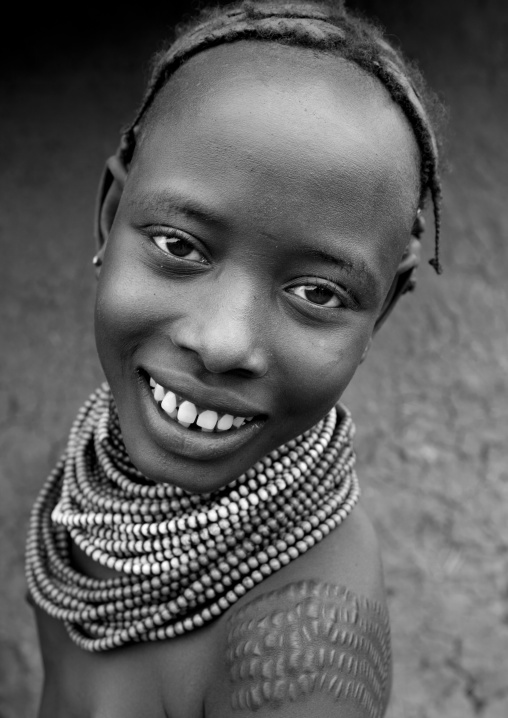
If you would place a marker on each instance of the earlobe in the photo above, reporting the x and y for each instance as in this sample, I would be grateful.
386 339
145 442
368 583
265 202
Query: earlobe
366 350
411 257
404 278
108 198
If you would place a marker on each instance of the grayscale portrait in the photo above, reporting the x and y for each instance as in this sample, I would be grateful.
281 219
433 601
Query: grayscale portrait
254 321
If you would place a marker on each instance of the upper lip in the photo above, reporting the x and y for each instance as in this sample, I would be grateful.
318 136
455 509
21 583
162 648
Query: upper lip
223 401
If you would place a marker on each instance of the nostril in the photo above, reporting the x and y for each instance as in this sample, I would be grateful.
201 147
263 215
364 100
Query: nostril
242 367
240 373
224 345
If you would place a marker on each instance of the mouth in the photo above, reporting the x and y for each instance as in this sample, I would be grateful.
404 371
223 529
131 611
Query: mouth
185 426
190 415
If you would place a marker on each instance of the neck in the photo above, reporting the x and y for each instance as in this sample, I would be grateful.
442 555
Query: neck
185 559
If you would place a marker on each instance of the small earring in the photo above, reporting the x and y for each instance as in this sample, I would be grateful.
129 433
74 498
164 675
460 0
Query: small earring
99 258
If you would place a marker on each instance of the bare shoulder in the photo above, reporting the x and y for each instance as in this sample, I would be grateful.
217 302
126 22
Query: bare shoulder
315 637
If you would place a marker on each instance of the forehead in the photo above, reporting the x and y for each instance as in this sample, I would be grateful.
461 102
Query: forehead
267 125
326 106
250 63
300 88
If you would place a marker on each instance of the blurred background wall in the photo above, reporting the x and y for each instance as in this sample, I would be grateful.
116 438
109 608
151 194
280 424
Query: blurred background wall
431 402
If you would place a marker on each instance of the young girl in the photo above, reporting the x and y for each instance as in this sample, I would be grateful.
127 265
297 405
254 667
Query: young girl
199 550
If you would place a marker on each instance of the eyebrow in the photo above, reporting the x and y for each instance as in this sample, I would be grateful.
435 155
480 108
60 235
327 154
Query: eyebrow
165 201
357 265
168 201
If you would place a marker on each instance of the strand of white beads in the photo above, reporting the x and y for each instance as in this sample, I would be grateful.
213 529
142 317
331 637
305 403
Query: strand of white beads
182 559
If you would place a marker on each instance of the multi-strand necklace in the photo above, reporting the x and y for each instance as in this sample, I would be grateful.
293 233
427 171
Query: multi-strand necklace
182 559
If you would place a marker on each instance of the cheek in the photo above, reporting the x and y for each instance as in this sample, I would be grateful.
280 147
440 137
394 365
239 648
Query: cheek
321 367
122 310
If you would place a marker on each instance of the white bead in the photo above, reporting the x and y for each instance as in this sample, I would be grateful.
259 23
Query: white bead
167 539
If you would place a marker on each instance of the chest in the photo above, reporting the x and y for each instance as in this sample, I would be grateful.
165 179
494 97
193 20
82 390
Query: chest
153 680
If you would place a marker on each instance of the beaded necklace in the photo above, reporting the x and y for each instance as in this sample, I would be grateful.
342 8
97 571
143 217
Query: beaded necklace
182 559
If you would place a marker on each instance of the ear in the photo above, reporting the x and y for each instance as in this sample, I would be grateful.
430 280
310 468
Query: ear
108 198
405 280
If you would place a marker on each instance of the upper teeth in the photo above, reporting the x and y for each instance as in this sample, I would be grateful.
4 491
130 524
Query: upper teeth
186 413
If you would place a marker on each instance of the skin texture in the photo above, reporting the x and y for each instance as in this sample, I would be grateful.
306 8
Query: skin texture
305 174
193 676
291 158
305 638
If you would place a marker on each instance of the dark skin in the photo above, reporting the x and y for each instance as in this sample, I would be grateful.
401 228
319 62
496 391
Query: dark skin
271 187
188 677
264 218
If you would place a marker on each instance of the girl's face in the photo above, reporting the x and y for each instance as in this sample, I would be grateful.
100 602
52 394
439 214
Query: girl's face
260 227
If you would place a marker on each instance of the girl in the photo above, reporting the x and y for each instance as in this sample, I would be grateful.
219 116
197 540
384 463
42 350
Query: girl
199 550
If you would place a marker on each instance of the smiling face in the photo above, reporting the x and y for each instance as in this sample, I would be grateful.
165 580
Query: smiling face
262 221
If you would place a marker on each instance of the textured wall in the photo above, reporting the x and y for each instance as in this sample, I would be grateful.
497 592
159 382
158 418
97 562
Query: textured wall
431 402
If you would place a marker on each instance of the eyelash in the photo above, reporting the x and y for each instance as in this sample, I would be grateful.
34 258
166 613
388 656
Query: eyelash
176 234
344 296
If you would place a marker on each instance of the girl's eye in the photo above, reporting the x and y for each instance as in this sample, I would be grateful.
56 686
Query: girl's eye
319 294
178 247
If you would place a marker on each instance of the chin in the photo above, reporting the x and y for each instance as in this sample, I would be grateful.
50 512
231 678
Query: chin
167 452
191 475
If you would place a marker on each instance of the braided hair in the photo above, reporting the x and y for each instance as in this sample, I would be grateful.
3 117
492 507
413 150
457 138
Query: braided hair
323 26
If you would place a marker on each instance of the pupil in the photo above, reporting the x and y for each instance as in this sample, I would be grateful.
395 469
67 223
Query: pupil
319 295
178 247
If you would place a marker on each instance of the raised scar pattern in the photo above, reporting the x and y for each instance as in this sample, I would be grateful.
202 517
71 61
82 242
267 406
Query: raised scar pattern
308 637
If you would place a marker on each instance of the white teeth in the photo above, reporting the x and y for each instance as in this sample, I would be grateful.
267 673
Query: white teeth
225 423
169 402
187 413
158 393
207 420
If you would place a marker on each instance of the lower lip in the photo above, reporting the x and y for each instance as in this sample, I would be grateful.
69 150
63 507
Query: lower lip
177 439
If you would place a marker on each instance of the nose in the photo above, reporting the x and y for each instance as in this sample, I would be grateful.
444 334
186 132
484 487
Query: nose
223 324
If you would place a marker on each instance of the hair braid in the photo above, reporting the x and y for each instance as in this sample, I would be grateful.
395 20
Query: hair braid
323 26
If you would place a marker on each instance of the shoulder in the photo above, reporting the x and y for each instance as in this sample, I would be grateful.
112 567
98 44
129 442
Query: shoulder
314 637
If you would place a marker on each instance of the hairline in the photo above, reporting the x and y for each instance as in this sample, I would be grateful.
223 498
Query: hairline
150 116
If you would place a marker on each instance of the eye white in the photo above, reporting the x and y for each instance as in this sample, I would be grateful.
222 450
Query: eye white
304 291
178 247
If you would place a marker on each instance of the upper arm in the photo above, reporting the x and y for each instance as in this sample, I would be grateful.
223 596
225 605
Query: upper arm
308 647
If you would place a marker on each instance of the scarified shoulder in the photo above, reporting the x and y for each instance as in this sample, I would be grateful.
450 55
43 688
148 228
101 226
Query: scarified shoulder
306 646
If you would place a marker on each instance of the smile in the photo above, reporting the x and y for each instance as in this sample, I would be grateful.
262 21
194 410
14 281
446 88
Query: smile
189 415
189 421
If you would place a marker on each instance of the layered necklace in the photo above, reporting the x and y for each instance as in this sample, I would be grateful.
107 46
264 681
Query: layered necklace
182 559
